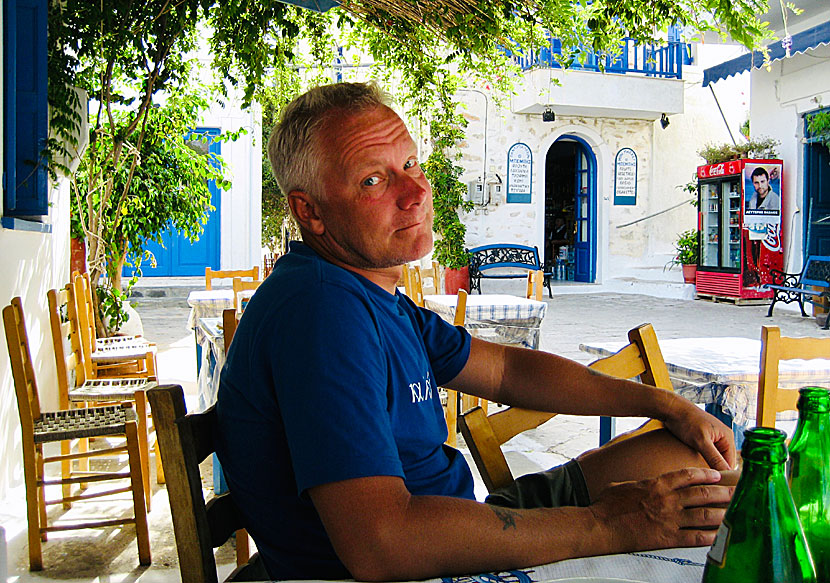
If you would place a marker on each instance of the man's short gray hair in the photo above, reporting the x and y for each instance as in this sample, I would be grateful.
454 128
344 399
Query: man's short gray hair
293 147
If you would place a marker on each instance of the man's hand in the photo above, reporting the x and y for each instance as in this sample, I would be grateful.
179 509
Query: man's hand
682 508
704 433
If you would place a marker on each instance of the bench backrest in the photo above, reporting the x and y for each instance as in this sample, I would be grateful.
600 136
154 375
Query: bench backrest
816 271
490 256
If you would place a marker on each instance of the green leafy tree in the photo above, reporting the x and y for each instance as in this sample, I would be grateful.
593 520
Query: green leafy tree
167 188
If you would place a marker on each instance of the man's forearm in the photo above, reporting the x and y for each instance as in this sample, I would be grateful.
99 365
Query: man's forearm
542 381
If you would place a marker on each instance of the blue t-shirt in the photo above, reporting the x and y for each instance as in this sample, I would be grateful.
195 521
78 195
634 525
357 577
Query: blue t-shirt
330 377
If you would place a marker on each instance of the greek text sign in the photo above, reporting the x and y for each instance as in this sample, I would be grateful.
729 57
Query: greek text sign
625 177
519 173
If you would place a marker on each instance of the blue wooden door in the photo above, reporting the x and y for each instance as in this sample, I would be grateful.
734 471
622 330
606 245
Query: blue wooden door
177 256
585 215
817 198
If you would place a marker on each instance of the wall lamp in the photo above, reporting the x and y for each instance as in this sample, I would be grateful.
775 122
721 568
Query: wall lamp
548 115
664 121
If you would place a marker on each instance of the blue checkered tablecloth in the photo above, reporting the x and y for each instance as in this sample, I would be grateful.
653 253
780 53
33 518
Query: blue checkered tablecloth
725 371
499 318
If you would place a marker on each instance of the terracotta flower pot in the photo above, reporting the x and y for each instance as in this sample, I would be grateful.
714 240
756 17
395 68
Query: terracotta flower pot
456 279
77 252
689 273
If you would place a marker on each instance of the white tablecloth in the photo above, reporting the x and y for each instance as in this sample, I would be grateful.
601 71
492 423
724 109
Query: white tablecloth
666 566
498 318
725 371
211 339
208 304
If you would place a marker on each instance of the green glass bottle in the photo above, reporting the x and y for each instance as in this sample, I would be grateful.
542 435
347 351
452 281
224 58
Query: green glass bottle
761 539
809 474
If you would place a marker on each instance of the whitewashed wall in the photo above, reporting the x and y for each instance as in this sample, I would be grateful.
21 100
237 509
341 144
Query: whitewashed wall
667 159
241 207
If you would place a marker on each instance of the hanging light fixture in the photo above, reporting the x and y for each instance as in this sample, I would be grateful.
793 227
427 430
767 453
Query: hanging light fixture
548 115
664 121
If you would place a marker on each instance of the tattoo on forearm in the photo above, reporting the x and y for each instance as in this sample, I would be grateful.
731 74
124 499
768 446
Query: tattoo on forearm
507 517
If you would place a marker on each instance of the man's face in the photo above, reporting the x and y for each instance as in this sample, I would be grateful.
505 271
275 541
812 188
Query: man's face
375 202
761 184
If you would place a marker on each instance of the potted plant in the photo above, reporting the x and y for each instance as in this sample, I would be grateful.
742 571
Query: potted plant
448 196
688 246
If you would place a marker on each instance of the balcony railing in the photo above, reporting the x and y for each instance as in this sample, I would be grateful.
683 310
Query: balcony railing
651 60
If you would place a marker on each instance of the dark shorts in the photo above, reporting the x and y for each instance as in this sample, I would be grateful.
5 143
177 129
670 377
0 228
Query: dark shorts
560 486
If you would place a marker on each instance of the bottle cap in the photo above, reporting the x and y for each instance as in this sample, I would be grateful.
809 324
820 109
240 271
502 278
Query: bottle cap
814 399
764 444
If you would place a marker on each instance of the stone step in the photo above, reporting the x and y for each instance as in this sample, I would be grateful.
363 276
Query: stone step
165 291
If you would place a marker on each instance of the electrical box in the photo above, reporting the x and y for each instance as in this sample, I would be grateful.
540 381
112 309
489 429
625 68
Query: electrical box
477 194
493 191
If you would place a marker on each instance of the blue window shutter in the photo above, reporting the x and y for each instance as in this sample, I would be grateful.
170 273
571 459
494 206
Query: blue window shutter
26 107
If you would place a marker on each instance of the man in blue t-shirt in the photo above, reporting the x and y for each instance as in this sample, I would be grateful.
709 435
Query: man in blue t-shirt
331 430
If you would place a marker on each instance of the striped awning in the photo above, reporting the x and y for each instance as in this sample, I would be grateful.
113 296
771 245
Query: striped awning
803 41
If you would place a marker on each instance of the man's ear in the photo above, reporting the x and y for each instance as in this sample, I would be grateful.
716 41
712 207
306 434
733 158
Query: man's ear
304 208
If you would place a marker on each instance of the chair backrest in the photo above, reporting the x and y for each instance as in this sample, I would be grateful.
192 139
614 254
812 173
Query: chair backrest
185 441
416 287
460 316
239 285
23 372
211 274
228 326
775 348
430 279
535 280
68 356
485 434
82 327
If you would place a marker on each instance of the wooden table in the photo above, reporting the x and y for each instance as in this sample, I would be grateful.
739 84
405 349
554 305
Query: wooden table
499 318
722 374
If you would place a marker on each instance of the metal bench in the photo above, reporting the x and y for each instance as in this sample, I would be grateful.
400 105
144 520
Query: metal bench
793 287
488 257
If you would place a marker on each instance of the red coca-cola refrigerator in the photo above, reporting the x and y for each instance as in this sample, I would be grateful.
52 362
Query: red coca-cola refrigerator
740 229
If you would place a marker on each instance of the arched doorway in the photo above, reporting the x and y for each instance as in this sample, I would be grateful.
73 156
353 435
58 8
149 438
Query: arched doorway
570 198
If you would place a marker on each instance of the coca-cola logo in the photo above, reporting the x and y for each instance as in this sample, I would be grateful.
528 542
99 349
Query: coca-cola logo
772 240
717 170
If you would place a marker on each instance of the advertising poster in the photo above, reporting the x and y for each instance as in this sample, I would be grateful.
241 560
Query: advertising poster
762 222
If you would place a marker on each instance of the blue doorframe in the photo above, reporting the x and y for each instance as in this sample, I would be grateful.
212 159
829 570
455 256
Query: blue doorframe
816 205
585 215
176 255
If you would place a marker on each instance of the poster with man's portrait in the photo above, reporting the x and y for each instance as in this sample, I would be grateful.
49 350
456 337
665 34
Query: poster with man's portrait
762 222
762 193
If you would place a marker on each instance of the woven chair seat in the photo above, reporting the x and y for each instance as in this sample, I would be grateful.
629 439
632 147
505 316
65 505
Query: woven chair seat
77 423
109 389
120 352
121 341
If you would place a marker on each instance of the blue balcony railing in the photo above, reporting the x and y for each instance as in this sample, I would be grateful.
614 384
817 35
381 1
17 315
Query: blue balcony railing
651 60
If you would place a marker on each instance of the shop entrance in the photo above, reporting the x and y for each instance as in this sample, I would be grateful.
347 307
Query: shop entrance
570 203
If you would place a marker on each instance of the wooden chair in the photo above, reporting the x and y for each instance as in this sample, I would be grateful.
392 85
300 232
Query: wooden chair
211 274
139 342
105 359
229 324
40 427
240 285
77 389
186 440
451 408
775 348
416 288
535 283
430 279
485 434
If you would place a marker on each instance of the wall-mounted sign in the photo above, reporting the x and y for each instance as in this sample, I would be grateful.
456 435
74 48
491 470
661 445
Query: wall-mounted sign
625 177
519 173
